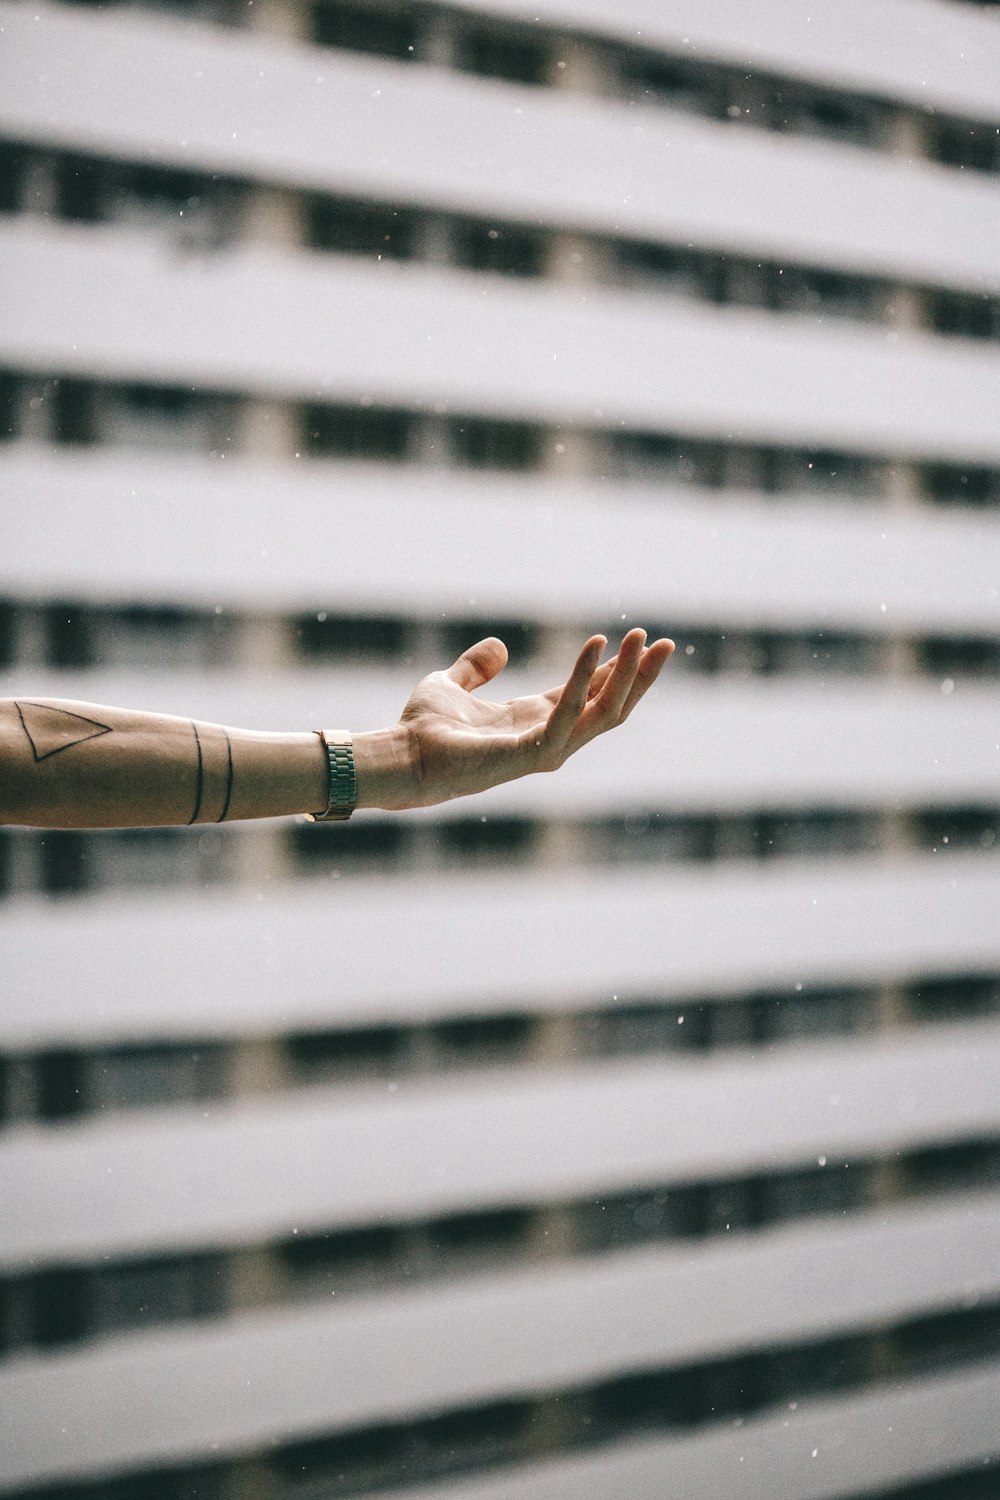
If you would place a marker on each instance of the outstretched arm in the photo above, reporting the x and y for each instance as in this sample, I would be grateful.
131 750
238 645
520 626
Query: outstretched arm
65 764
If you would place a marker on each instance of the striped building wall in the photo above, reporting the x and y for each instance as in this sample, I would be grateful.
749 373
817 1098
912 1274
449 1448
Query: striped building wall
632 1132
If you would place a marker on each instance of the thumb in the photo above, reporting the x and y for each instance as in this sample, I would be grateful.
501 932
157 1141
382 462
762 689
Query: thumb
479 664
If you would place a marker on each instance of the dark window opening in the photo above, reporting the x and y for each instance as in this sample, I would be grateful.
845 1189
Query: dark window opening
946 484
315 1058
820 293
482 1039
483 444
10 407
146 1293
61 1084
64 857
649 456
144 1077
653 836
504 248
960 997
963 315
167 189
943 656
8 632
958 828
357 432
778 835
380 30
966 144
361 229
424 1449
838 119
74 411
324 1263
169 402
492 54
316 845
330 636
668 269
674 83
14 164
82 184
61 1307
500 839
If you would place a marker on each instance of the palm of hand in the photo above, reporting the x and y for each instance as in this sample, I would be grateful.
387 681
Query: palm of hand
464 744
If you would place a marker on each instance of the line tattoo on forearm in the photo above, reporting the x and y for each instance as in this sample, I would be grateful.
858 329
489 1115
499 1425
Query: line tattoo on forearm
229 779
214 774
200 780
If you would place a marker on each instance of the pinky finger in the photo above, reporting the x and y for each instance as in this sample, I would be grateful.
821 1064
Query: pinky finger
653 659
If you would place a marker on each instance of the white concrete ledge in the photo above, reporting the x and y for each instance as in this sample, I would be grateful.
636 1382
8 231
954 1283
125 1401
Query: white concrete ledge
920 52
194 1392
332 328
328 1158
242 536
261 109
824 1450
247 961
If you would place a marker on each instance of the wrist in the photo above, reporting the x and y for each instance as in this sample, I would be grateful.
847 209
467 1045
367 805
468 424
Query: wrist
386 765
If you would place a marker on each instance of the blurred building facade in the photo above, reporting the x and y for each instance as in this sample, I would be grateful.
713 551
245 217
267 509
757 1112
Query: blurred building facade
629 1132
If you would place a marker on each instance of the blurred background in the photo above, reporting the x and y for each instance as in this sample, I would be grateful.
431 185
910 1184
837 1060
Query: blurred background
630 1132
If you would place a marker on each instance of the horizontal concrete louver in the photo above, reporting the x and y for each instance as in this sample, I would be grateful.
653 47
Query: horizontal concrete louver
418 337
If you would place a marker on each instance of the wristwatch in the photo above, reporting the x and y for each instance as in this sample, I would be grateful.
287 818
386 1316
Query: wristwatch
342 797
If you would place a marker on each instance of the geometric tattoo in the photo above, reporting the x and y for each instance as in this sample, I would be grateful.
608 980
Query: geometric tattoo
52 730
200 782
49 731
229 781
209 773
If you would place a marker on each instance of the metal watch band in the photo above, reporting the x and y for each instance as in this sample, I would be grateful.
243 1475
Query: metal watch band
343 794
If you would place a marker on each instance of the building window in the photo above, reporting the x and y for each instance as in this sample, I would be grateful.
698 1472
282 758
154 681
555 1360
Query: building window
645 457
75 411
943 656
124 1078
947 484
82 188
357 432
325 1057
14 165
326 636
480 443
958 828
316 846
380 30
963 315
517 58
674 82
487 841
966 144
369 229
505 249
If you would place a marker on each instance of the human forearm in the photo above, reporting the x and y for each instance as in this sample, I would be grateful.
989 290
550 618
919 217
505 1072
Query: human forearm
67 764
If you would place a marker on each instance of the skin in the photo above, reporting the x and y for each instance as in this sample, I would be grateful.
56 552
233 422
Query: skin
132 769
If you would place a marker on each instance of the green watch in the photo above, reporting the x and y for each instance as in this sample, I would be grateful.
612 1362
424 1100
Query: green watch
342 798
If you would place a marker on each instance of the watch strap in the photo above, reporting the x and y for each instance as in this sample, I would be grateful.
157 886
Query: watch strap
342 796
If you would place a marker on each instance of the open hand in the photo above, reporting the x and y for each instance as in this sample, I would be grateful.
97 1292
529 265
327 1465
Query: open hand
450 743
